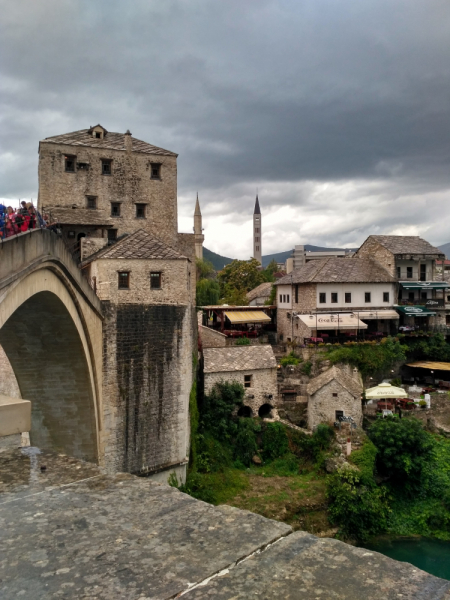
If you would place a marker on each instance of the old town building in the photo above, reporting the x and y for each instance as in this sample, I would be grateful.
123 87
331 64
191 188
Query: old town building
335 296
422 299
260 295
255 367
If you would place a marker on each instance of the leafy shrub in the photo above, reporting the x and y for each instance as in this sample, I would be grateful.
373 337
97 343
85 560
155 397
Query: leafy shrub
242 342
405 450
286 466
218 407
371 358
306 368
310 447
397 382
275 441
245 445
212 455
215 488
364 459
290 359
360 511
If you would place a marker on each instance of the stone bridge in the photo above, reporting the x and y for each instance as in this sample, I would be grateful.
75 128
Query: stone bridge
51 332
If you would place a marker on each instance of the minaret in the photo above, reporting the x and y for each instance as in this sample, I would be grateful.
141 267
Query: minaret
198 231
257 253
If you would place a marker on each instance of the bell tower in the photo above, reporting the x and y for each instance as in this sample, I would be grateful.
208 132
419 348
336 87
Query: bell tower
198 231
257 232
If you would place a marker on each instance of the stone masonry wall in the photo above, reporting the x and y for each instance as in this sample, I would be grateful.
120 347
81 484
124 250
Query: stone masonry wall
8 381
89 245
129 183
211 338
373 249
264 382
176 285
322 405
147 366
307 297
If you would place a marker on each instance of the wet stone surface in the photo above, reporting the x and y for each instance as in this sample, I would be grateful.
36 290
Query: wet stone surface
73 532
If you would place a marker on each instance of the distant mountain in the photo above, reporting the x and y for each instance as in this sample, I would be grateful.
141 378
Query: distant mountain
218 261
445 249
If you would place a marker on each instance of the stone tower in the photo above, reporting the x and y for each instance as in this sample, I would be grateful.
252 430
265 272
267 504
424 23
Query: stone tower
198 231
257 252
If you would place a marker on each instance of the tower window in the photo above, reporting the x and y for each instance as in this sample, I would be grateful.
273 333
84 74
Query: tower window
256 239
257 248
155 281
106 166
256 229
140 211
69 163
155 170
115 209
91 202
124 280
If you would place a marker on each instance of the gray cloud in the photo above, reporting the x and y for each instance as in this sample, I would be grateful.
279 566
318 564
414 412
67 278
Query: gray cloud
286 95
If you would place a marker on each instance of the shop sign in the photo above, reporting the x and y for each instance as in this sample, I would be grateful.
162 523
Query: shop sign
435 303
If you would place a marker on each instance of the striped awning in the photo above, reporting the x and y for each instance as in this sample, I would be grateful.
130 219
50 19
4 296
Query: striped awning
336 321
377 314
247 316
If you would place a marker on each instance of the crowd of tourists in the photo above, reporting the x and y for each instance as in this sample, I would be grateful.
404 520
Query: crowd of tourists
14 221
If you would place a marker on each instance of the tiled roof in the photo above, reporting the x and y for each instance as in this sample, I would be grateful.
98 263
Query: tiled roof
78 216
238 358
263 290
138 245
111 141
405 244
352 385
338 270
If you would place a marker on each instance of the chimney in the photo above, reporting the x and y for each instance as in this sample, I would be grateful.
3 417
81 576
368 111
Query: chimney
128 141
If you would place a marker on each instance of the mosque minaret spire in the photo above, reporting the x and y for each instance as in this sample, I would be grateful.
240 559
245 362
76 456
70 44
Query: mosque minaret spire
257 232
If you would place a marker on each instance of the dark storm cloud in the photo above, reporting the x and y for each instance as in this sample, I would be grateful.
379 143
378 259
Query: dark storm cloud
287 95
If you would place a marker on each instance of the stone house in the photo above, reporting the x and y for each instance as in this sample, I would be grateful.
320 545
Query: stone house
335 295
260 294
253 366
336 392
422 298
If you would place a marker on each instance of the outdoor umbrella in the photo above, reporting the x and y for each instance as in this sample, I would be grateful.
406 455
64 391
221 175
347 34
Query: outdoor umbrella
385 390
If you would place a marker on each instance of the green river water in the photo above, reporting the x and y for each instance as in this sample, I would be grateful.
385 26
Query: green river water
428 554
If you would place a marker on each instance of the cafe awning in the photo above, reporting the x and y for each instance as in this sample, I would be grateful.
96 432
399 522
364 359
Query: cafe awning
426 364
247 316
415 311
339 321
424 285
377 314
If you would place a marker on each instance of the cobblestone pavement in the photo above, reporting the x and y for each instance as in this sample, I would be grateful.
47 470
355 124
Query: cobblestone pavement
70 531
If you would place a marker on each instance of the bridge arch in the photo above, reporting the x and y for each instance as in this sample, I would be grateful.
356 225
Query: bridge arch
51 334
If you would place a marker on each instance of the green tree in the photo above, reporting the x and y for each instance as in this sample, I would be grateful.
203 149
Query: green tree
360 510
270 270
218 406
404 451
238 278
207 292
205 269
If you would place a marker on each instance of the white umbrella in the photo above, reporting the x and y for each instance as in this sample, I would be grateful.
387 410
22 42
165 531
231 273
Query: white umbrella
386 390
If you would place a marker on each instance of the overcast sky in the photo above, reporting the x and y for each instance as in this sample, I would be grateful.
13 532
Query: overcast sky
337 111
